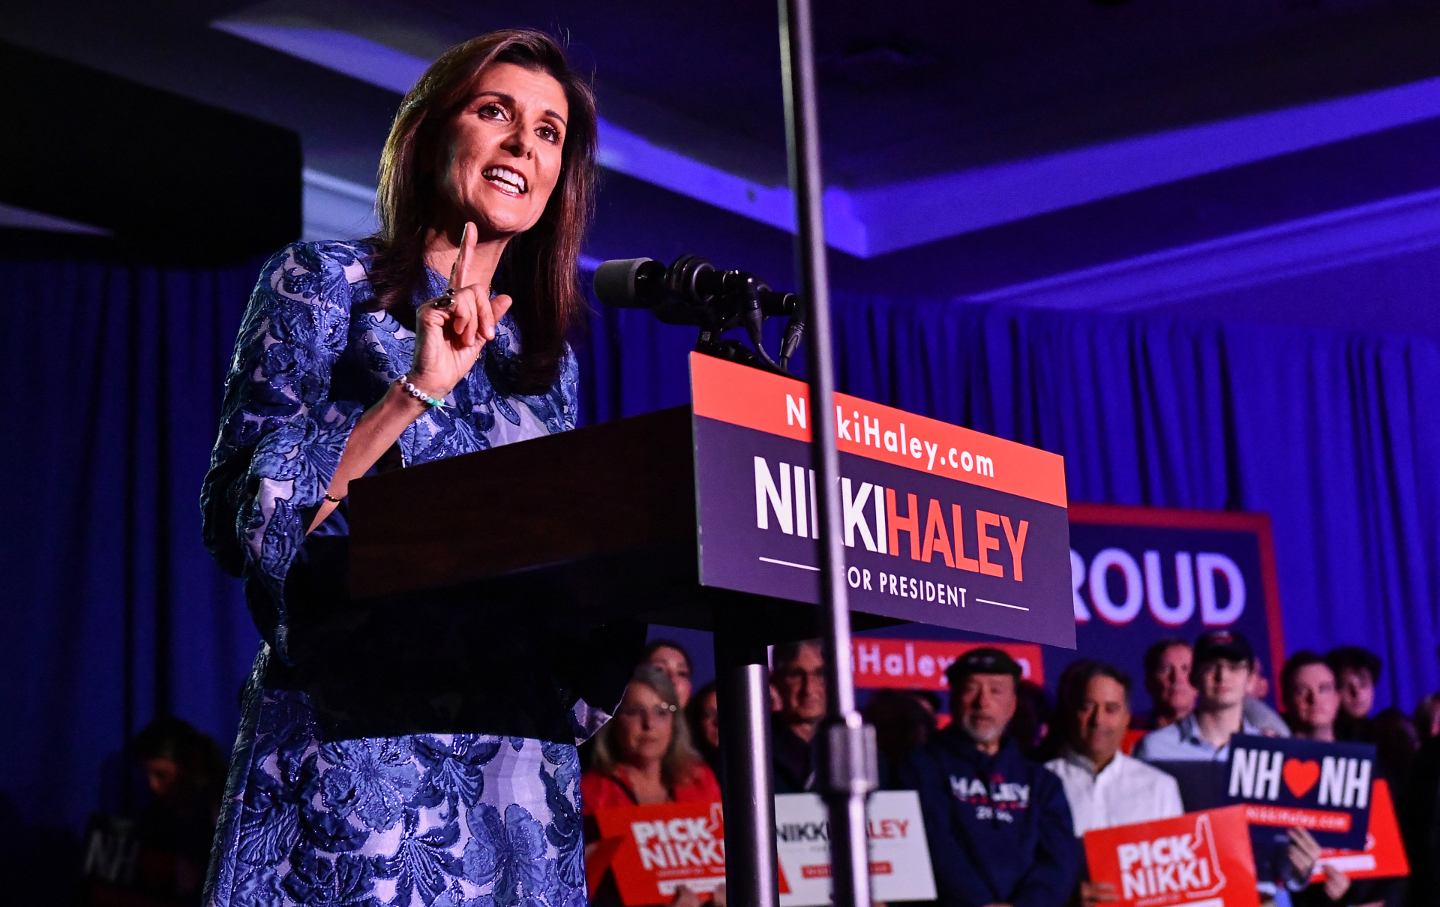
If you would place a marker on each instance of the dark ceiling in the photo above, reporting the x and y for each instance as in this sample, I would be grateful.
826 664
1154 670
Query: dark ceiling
909 90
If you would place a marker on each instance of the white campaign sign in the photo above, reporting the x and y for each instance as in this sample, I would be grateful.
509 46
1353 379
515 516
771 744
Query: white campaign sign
899 856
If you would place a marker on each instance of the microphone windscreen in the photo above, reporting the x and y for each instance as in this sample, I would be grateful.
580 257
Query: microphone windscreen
618 283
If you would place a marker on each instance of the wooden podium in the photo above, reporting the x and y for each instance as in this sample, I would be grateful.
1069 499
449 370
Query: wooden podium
700 517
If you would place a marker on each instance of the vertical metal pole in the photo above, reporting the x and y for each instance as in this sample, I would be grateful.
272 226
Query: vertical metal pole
742 687
849 769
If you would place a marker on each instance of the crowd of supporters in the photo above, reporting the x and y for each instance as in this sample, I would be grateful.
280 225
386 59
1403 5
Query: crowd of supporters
1012 774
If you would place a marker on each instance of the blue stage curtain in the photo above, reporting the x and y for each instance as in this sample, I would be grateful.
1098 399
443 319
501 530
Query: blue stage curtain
1325 432
114 613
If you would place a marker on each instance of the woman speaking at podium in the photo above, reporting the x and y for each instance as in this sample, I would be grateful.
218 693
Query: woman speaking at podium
412 755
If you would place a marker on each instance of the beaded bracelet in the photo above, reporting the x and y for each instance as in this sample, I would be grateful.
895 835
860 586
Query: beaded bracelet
417 393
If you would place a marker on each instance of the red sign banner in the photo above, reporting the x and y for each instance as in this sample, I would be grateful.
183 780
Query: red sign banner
653 850
919 664
778 405
1383 855
1201 859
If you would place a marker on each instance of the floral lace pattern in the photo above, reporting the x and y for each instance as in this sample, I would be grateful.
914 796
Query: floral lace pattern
452 819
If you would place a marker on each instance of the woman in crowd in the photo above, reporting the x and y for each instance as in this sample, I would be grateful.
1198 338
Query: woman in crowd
1312 705
703 717
423 754
672 658
645 755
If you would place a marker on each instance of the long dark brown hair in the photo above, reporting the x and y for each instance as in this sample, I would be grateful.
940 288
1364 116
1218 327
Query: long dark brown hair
539 266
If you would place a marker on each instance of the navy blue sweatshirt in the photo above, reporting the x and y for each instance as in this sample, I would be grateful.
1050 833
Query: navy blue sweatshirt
998 826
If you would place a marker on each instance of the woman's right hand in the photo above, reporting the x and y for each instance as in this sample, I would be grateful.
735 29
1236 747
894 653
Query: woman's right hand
451 332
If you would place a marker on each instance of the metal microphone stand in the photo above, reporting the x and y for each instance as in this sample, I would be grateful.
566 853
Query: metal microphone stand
849 769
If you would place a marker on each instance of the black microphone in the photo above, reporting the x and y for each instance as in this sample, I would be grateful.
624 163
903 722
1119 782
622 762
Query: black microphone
692 291
630 283
643 283
672 294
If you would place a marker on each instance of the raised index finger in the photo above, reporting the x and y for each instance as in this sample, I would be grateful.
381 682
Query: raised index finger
460 273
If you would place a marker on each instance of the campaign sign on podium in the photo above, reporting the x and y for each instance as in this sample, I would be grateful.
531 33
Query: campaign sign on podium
941 525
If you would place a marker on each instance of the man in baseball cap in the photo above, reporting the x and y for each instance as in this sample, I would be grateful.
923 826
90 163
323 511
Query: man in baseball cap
998 824
1220 671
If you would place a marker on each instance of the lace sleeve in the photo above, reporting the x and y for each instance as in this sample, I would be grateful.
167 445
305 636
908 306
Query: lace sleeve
281 435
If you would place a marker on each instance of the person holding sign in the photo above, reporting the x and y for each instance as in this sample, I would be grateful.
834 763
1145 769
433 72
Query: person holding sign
798 678
1223 662
998 824
1105 787
644 755
1312 705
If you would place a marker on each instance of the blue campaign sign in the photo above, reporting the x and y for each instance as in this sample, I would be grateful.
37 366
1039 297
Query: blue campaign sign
1324 787
1140 574
1286 783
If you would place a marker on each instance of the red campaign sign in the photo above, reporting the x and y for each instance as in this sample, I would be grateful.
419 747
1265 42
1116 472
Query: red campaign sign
919 664
778 405
1201 859
653 850
1384 853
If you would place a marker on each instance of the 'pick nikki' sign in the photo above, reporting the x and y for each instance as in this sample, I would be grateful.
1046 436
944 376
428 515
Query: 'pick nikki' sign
1323 787
1201 859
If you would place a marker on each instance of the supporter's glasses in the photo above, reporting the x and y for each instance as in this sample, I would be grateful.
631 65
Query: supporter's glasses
798 676
662 712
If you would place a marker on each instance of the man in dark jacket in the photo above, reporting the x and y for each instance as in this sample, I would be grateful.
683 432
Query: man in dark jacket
998 824
799 682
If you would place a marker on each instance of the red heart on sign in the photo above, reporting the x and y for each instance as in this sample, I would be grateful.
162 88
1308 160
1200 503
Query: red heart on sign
1300 776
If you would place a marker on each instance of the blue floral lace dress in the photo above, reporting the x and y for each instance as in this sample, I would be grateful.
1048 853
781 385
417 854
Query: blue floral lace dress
385 756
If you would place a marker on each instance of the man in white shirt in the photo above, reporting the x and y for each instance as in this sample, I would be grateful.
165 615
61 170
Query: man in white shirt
1104 786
